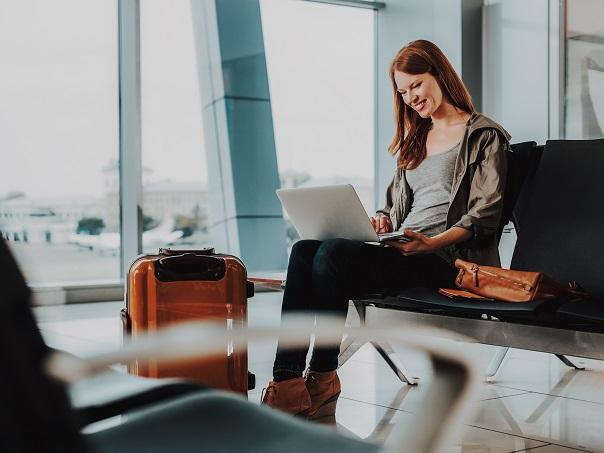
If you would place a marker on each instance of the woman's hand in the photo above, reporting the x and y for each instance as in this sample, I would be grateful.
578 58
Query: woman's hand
381 224
419 243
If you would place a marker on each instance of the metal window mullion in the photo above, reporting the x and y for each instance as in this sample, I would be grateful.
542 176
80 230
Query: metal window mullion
353 3
130 163
377 195
556 68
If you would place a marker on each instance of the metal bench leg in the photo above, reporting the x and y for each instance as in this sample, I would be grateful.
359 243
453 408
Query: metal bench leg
349 346
566 361
398 368
495 364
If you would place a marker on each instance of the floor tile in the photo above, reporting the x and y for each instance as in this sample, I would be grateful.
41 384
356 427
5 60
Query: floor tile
563 421
552 449
76 346
262 351
263 373
103 330
377 384
546 374
265 309
376 423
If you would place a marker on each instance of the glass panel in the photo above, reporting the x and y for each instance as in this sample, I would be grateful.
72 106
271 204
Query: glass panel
175 195
515 67
584 106
322 94
59 138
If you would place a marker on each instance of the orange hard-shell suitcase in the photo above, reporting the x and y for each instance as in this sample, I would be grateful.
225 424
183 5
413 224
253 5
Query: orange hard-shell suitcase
183 285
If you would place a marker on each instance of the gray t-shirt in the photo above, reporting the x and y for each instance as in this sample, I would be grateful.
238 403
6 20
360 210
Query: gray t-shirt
430 184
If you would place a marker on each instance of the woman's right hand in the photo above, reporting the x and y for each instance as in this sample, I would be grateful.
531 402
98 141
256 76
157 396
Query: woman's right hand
381 223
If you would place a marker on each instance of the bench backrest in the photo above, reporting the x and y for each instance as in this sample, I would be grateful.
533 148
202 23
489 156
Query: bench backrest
562 223
528 175
522 159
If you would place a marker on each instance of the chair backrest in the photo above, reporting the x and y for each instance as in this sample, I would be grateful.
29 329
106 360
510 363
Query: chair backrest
562 223
522 159
34 411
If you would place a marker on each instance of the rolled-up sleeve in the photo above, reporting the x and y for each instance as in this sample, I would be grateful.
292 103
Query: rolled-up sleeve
485 201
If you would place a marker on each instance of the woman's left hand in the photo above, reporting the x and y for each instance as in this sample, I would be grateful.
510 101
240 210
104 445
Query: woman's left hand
419 243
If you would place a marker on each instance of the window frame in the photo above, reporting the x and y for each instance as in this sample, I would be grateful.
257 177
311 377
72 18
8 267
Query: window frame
130 151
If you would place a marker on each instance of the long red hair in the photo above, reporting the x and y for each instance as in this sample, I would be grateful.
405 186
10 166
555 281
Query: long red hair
419 57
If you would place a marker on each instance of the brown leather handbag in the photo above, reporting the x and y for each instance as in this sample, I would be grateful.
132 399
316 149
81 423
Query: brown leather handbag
511 285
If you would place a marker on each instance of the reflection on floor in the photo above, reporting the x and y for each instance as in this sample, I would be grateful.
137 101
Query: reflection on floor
537 403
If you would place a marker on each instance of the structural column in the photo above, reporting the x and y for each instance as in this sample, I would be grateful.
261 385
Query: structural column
131 191
246 217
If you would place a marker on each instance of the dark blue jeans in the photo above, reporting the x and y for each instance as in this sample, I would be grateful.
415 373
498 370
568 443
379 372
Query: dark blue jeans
323 276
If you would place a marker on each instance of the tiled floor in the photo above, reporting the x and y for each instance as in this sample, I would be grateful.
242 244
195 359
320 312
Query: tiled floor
537 404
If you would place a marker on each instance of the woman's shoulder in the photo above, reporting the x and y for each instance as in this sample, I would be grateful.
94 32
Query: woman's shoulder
483 125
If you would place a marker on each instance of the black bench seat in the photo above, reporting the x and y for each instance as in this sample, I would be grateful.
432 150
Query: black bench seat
428 300
554 199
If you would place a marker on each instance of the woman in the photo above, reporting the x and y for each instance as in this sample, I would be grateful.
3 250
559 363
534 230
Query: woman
446 195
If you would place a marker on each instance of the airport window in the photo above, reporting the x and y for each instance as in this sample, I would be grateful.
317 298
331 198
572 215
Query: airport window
321 80
175 194
58 134
584 41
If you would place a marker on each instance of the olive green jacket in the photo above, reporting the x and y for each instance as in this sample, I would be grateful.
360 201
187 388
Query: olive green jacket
476 192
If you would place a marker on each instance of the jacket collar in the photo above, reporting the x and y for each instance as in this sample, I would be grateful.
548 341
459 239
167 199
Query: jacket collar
469 150
478 121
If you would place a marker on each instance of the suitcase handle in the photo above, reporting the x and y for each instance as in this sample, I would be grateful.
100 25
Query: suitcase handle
189 266
174 252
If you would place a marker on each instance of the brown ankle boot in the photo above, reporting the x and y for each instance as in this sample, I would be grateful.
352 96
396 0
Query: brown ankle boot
324 390
289 396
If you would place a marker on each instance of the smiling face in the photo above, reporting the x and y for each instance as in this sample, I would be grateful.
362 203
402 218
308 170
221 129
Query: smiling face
419 91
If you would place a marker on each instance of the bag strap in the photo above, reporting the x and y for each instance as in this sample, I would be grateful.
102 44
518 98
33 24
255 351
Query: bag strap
576 291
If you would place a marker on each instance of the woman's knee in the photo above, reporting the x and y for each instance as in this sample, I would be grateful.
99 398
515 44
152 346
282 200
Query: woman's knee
304 251
305 247
332 257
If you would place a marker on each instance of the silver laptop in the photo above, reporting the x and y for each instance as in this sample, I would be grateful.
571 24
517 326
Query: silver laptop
331 212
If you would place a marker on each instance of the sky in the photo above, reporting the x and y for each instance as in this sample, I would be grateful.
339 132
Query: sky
58 92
